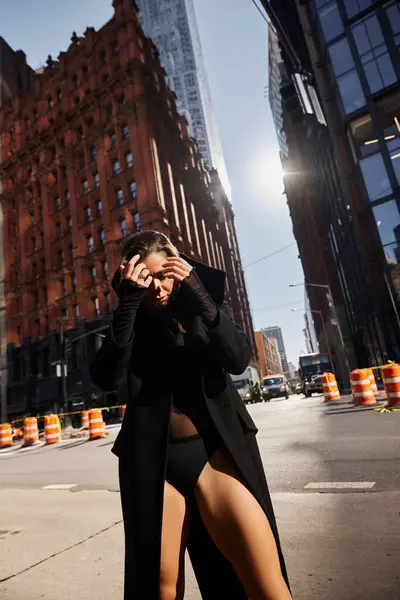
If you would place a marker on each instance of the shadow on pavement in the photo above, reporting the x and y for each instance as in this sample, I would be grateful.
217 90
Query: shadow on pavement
73 445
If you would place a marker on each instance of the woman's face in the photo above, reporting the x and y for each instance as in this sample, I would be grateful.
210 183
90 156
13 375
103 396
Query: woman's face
160 291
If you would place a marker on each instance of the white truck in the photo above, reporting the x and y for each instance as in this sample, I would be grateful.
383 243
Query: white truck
245 383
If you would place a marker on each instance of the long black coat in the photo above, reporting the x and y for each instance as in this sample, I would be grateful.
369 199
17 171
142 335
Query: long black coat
143 440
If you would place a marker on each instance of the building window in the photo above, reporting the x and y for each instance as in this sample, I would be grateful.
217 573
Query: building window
373 53
69 224
136 220
59 228
375 176
85 186
90 243
102 236
99 208
64 313
115 48
125 132
71 254
393 13
33 243
87 213
129 160
103 57
77 100
116 167
353 7
132 190
76 310
67 197
93 273
32 217
58 203
63 287
96 178
93 153
65 173
85 71
96 306
347 78
75 81
73 284
108 301
331 22
109 111
387 217
61 258
119 196
104 270
124 230
113 140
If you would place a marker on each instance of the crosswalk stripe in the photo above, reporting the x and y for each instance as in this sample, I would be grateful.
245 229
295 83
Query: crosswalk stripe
59 486
339 485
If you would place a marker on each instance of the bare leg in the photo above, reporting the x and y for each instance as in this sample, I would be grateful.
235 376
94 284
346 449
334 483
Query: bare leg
173 545
240 529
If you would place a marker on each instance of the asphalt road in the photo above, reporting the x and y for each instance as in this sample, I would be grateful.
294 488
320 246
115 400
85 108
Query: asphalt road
333 470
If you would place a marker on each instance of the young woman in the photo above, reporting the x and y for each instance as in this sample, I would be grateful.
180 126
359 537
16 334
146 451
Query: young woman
190 472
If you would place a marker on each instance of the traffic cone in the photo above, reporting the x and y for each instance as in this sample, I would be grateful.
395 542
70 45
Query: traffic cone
6 435
52 429
361 386
331 390
391 379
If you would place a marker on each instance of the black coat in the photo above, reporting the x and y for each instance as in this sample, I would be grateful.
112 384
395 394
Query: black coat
142 445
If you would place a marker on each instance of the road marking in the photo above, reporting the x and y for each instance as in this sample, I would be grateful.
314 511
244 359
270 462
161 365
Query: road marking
59 486
340 485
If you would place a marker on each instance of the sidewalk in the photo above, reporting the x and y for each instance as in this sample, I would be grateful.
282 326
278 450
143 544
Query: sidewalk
59 545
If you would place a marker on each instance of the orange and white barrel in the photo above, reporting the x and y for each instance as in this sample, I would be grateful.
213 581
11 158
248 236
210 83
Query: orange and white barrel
31 432
372 379
96 424
6 435
361 386
52 429
123 410
391 379
330 387
85 419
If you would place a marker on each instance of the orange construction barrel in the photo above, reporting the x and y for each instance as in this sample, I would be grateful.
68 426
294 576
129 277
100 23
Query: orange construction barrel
330 387
372 379
96 424
6 435
52 429
123 410
85 419
361 386
31 433
391 379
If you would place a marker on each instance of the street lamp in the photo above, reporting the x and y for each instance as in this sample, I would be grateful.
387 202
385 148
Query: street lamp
331 302
318 312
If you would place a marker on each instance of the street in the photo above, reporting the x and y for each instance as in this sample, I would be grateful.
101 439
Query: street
334 474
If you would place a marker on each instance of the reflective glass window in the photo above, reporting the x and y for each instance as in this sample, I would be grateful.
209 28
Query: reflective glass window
393 13
353 7
374 54
331 22
348 81
387 217
375 176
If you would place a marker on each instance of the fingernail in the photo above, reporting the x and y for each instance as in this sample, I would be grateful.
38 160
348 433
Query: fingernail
121 267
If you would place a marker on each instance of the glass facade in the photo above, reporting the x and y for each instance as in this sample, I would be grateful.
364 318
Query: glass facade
362 38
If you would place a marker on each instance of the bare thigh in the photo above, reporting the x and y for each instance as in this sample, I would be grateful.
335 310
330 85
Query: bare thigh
173 545
240 529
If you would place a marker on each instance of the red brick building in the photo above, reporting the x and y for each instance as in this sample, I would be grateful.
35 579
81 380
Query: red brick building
95 152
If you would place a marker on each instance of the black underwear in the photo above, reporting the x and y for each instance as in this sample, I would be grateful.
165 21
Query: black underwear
186 459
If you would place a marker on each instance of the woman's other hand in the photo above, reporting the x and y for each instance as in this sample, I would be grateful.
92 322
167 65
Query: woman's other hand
176 268
136 273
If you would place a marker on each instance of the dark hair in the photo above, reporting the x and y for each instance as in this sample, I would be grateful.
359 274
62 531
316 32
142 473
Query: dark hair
145 243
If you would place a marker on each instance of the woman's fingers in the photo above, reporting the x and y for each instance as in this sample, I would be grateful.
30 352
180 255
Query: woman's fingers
128 269
177 268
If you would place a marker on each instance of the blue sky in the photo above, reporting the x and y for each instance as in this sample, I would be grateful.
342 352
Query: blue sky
234 40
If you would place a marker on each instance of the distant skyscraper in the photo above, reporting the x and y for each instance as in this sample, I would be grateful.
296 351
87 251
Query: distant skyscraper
173 29
275 332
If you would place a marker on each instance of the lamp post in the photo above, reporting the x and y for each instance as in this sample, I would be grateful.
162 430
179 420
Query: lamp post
331 302
318 312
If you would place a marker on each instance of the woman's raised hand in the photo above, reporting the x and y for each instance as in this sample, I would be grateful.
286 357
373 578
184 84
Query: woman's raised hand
176 268
136 273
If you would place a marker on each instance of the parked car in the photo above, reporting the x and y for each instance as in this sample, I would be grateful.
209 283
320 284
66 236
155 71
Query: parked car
274 386
313 386
248 386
